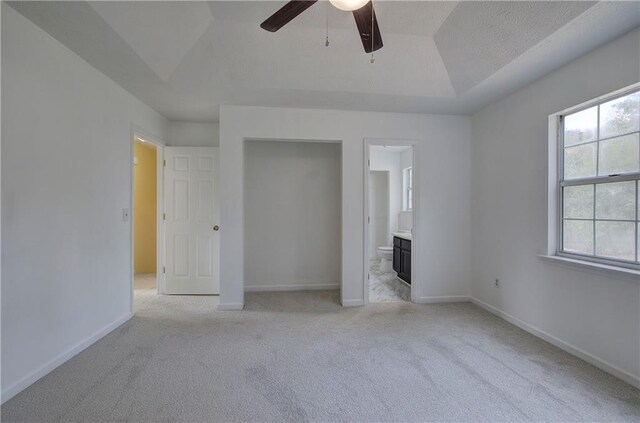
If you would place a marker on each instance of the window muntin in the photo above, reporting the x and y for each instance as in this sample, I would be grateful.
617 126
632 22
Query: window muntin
599 182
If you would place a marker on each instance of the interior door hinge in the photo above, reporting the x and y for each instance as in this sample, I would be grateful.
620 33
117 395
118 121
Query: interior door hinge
164 163
164 269
369 163
164 216
368 276
369 219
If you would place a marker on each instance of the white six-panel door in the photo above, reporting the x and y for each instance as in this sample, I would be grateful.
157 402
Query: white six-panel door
191 213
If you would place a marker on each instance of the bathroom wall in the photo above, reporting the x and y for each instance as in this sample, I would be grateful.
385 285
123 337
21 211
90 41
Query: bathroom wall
145 200
382 159
292 215
378 211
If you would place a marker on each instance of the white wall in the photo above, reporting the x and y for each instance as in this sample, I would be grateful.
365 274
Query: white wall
379 228
389 161
292 215
595 313
66 176
443 241
192 134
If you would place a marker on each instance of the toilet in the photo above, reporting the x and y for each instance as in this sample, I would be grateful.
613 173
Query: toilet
386 255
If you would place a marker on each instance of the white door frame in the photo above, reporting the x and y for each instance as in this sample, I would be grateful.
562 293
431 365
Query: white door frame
416 279
137 132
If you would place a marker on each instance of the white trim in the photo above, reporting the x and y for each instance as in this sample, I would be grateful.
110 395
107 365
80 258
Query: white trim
413 143
593 266
230 307
553 206
37 374
291 287
365 217
573 350
352 303
160 242
444 299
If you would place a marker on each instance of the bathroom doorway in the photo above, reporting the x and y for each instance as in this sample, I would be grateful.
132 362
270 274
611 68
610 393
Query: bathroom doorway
389 204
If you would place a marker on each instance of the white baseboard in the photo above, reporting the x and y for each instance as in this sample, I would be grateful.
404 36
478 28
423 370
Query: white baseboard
32 377
352 303
444 299
589 358
230 307
290 287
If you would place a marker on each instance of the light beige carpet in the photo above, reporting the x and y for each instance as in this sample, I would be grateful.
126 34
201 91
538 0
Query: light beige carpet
300 357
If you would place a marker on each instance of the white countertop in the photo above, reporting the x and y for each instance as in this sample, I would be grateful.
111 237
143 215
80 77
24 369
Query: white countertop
403 235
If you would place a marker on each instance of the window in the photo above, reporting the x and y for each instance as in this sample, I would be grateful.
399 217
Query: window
599 173
408 189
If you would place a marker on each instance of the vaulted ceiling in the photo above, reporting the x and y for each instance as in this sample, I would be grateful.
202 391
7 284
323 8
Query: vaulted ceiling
185 59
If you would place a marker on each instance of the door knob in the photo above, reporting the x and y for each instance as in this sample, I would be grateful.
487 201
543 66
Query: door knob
216 227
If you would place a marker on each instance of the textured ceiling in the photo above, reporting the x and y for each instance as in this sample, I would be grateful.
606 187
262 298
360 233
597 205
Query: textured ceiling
479 38
184 59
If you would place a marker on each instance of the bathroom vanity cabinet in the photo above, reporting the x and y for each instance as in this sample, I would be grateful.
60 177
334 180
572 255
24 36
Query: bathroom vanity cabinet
402 258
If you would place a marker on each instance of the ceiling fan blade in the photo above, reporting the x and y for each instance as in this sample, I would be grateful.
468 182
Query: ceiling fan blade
286 14
363 21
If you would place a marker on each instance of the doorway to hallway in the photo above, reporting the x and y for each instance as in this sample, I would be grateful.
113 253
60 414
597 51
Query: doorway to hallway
147 157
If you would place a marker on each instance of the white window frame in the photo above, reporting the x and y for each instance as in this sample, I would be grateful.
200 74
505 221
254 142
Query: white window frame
556 183
407 187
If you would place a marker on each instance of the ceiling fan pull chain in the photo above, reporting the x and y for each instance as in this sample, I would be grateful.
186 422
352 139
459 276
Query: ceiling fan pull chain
326 43
373 59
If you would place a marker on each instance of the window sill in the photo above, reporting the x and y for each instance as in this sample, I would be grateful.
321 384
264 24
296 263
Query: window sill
598 267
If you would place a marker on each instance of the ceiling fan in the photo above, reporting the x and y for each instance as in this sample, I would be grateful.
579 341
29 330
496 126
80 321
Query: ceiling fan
362 12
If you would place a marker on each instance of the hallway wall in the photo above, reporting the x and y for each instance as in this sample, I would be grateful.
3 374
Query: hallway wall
193 134
145 203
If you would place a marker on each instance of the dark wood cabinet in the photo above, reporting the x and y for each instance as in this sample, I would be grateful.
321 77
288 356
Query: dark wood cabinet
402 258
397 253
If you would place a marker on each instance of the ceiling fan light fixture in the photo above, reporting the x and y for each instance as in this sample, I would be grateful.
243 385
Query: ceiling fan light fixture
349 5
362 10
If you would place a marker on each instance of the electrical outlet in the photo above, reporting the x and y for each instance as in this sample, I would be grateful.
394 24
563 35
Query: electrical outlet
497 283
